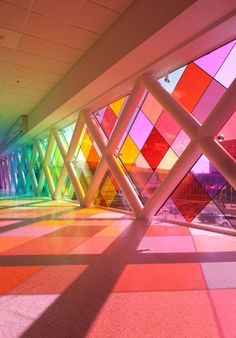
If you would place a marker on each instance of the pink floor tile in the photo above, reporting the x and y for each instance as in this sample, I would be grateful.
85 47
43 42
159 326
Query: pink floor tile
5 223
173 230
220 275
224 302
156 314
19 312
29 231
167 244
157 277
94 245
213 244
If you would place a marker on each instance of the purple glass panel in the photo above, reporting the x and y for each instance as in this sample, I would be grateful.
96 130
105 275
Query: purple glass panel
227 72
140 129
208 176
150 187
211 62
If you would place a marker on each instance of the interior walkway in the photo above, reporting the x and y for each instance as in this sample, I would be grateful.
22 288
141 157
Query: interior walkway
70 272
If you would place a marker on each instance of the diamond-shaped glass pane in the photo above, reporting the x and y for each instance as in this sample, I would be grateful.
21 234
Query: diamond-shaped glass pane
86 158
55 164
109 194
151 146
107 117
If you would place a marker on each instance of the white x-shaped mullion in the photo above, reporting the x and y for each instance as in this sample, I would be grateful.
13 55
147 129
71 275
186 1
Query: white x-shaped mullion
108 159
68 155
31 169
19 161
202 141
45 160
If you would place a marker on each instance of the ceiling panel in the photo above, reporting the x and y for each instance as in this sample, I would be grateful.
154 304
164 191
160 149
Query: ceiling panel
48 77
59 9
21 3
23 71
4 66
40 40
79 38
35 45
44 27
26 59
9 38
55 66
117 5
19 81
67 54
6 54
12 17
95 18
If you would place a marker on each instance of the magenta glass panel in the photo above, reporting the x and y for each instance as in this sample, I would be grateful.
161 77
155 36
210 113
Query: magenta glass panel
208 101
211 62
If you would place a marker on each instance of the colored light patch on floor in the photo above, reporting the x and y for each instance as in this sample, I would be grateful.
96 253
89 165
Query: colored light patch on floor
160 277
7 243
29 231
215 279
11 276
156 314
76 231
46 246
5 223
214 244
19 313
93 246
224 301
167 230
49 280
167 244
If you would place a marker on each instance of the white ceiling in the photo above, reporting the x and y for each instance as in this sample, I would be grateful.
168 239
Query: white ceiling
40 40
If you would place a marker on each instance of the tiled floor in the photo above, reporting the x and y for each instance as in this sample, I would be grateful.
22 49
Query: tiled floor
70 272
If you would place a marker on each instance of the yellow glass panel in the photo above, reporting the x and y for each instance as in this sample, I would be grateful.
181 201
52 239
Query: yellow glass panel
166 164
129 152
86 145
108 191
117 105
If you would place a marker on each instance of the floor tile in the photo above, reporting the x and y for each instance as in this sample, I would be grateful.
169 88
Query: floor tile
157 277
224 302
167 244
220 275
156 314
213 244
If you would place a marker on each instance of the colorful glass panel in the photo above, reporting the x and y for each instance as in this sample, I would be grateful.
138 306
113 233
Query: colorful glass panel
107 117
109 194
86 159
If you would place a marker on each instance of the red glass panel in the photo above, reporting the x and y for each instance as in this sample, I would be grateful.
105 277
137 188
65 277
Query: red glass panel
108 121
154 148
191 86
190 197
167 127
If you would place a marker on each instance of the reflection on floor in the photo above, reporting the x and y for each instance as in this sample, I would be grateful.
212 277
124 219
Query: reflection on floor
69 272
